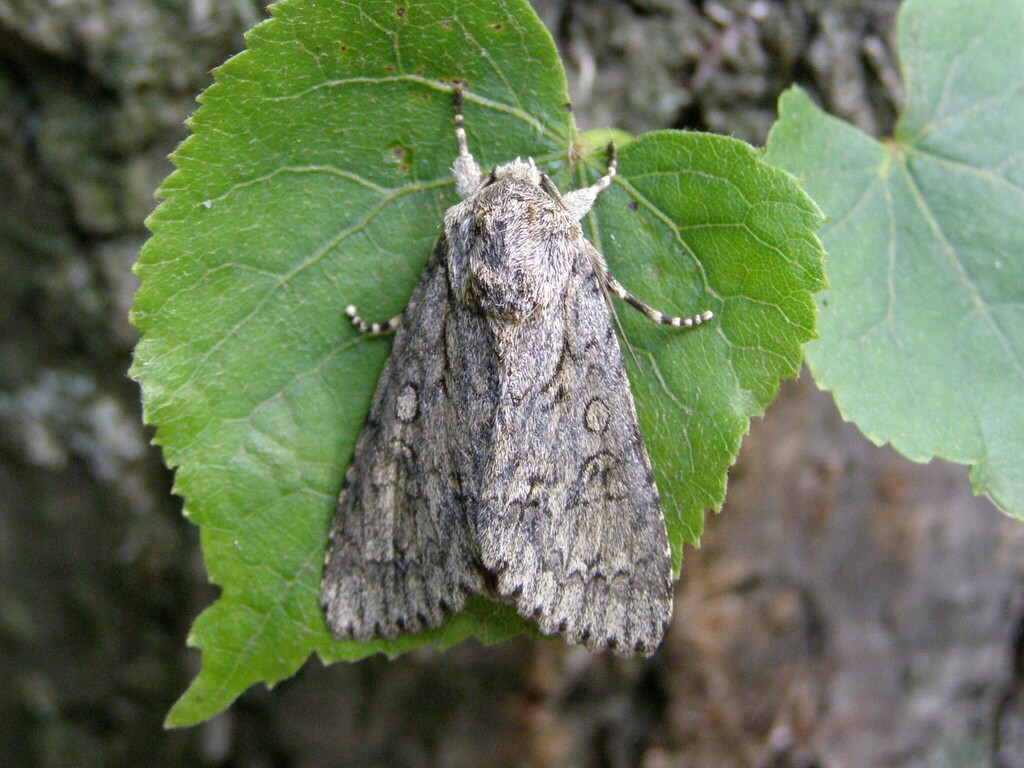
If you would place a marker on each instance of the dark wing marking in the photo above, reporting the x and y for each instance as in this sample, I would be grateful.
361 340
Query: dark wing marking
401 555
571 526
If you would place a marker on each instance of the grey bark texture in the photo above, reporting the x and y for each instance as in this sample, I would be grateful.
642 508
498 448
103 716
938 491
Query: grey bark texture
848 607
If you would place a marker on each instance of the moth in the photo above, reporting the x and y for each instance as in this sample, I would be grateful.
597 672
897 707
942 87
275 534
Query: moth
502 454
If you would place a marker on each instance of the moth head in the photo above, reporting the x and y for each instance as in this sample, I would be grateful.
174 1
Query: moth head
524 170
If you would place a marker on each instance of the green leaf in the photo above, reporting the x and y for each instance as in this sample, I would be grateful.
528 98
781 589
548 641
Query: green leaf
316 177
699 222
922 330
599 138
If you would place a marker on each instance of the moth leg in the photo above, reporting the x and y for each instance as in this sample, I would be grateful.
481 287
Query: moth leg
374 329
465 169
616 288
579 202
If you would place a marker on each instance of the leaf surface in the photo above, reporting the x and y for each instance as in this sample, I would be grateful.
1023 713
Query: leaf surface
316 177
922 329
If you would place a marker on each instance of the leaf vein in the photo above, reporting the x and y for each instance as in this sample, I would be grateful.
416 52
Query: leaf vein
426 82
972 288
302 169
315 258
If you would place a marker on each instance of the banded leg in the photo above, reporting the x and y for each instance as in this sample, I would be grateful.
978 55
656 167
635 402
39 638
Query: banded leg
579 202
374 329
615 287
466 170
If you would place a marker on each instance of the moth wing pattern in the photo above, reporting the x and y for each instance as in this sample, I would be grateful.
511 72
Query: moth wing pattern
572 527
502 454
399 555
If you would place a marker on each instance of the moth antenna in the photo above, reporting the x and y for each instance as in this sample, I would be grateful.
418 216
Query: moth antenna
613 168
466 170
547 184
460 127
373 329
613 158
579 202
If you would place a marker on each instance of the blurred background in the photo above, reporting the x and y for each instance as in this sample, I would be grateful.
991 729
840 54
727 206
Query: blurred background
848 608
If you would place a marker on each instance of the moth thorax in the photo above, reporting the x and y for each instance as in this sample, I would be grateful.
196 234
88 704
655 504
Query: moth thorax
516 251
